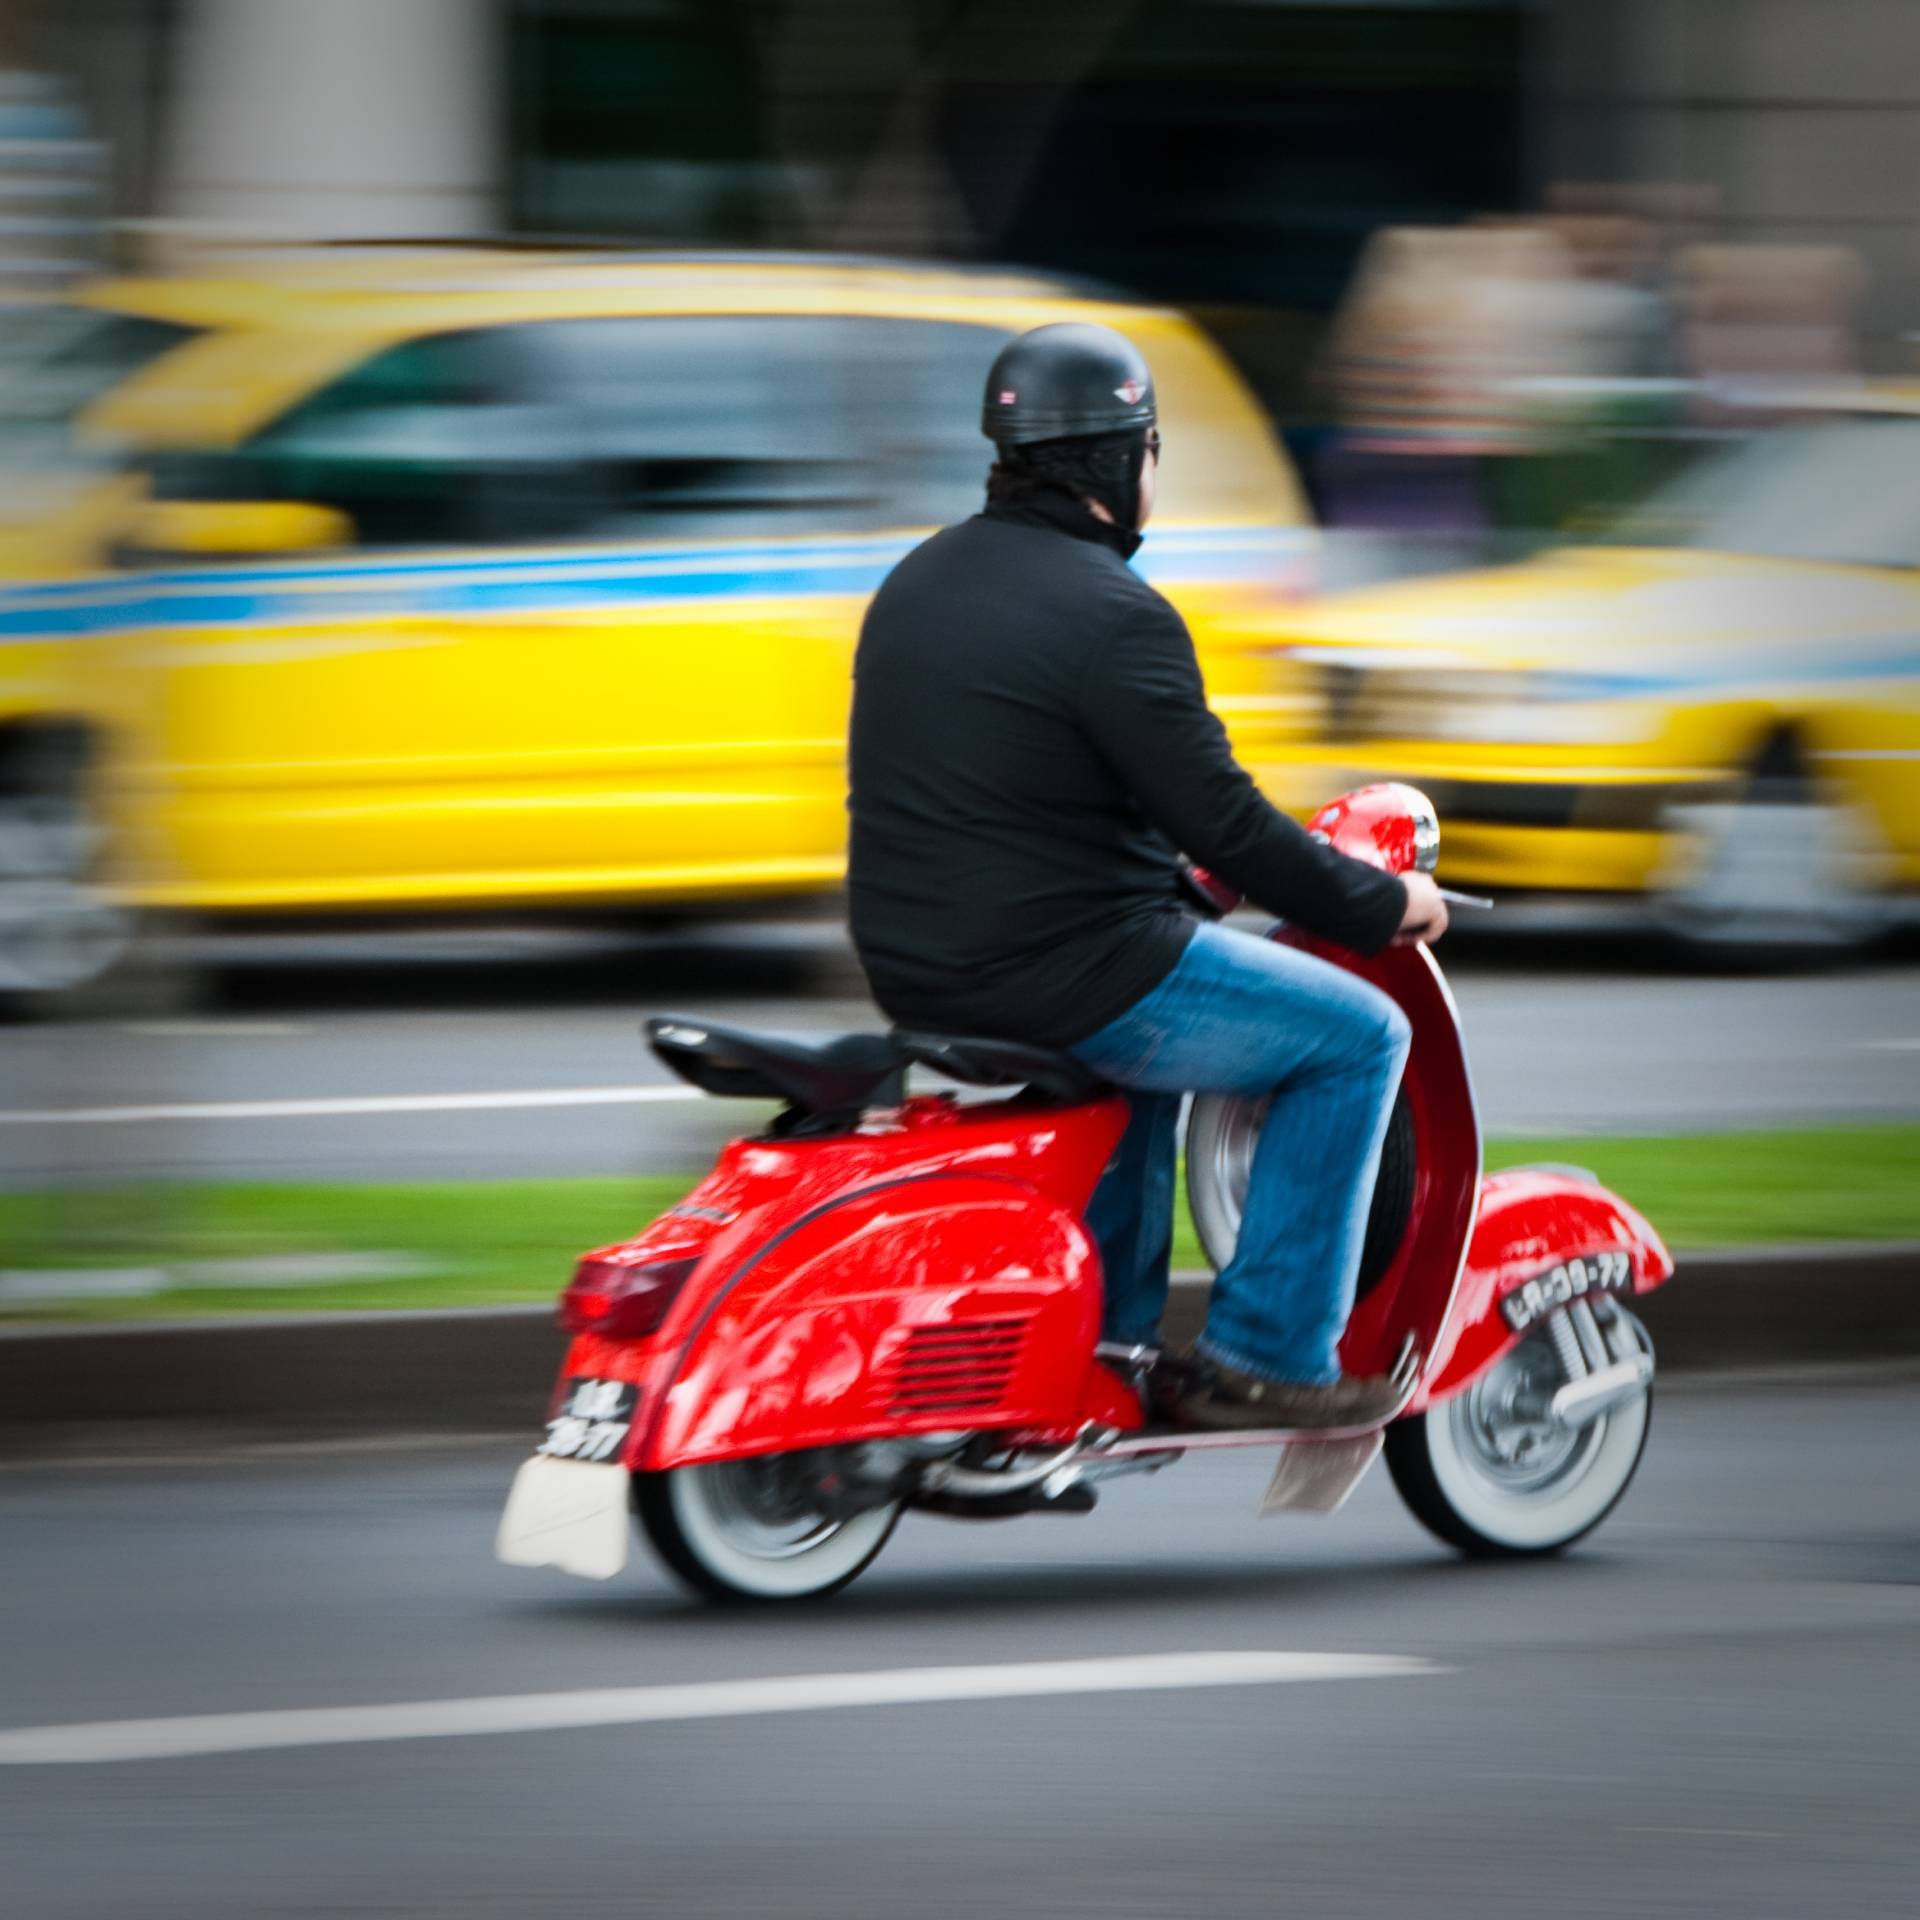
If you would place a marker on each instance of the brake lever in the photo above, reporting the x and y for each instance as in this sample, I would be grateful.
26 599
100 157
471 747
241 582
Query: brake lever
1453 899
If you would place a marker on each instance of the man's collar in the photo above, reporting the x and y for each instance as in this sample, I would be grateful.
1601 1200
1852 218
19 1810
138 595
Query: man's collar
1063 511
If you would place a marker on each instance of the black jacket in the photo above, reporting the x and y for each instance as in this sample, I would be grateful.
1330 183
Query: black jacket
1030 743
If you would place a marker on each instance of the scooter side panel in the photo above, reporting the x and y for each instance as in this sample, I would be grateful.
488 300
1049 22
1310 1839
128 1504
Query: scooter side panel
1543 1237
930 1304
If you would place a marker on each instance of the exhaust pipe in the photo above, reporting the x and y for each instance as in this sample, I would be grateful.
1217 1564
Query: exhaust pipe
1581 1402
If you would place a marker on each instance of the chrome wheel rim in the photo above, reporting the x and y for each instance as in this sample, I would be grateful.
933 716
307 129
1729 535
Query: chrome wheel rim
1802 872
1505 1434
763 1511
1508 1478
753 1527
58 931
1223 1134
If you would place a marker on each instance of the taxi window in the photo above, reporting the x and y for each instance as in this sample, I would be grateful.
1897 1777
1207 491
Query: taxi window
1843 494
56 361
923 382
432 442
711 426
747 424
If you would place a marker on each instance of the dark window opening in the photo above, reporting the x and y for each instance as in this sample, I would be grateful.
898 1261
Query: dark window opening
718 426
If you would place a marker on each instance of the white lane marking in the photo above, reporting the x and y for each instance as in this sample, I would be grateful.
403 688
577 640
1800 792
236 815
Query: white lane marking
356 1103
1889 1046
109 1740
211 1029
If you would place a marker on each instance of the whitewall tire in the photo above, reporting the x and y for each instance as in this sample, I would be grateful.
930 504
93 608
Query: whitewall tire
745 1530
1488 1472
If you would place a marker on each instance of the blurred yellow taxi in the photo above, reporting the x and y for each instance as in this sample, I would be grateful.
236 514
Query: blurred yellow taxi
454 578
1718 708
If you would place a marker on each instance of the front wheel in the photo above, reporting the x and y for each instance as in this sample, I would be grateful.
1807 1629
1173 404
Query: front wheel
1489 1471
752 1530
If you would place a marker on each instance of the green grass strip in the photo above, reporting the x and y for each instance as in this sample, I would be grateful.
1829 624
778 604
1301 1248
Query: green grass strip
482 1243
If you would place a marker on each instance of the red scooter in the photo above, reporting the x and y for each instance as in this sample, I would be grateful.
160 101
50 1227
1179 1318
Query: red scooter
888 1302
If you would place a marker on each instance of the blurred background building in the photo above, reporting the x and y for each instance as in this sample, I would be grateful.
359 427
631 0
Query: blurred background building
1225 153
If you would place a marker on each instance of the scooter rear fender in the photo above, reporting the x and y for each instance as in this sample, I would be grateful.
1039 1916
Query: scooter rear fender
929 1303
768 1202
1544 1236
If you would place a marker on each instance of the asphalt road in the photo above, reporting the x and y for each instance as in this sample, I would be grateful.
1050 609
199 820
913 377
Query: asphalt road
1714 1708
1578 1034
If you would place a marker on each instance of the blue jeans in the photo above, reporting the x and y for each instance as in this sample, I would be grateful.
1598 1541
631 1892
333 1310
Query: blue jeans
1245 1015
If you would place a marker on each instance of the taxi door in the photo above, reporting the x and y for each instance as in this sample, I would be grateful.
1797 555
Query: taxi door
590 641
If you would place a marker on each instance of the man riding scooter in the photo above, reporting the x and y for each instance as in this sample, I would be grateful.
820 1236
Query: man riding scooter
1030 746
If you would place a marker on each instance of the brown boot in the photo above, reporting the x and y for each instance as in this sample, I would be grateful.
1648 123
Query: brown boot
1224 1397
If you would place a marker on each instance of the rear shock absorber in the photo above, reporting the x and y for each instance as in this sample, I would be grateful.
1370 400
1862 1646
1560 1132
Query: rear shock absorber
1566 1345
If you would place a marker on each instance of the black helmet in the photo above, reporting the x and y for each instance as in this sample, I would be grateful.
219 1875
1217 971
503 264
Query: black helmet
1064 381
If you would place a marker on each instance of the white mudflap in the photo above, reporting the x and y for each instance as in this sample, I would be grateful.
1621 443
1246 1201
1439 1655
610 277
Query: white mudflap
570 1514
1315 1476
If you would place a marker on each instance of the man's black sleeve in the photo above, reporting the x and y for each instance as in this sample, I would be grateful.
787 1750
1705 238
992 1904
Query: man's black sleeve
1144 703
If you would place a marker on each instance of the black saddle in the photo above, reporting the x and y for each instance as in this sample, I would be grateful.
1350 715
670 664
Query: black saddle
836 1074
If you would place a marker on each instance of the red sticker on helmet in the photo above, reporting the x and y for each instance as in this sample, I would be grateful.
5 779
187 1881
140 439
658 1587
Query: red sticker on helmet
1006 396
1130 392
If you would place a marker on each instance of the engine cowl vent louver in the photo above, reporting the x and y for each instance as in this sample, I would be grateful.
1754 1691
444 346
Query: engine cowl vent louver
954 1370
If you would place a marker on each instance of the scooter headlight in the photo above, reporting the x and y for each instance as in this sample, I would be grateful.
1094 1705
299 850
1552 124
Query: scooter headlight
1388 824
1426 831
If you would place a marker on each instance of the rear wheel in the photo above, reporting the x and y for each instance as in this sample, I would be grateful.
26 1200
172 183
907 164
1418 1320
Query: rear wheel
753 1529
1491 1472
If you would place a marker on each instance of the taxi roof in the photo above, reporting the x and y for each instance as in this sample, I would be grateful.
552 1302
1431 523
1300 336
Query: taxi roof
387 287
273 326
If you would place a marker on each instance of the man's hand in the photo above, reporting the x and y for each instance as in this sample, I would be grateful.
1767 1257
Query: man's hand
1426 916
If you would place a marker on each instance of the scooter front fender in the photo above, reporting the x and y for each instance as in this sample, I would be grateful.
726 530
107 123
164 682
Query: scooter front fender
926 1304
1543 1237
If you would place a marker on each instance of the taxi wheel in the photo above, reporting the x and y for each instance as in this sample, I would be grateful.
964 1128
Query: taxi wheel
1787 868
62 934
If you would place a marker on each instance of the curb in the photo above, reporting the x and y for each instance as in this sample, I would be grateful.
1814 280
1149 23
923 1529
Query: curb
490 1369
1745 1307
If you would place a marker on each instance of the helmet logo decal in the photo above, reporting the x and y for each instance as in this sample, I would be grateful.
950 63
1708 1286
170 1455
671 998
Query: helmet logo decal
1130 391
1007 396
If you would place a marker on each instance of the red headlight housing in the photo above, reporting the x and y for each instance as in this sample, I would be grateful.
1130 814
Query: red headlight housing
621 1295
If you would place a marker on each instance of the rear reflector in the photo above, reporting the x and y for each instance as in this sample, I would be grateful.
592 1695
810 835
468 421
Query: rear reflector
623 1299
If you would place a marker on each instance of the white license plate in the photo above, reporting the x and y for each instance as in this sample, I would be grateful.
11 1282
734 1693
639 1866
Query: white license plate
593 1420
1609 1271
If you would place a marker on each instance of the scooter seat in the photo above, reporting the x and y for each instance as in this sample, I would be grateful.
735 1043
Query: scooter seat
842 1072
978 1062
827 1073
